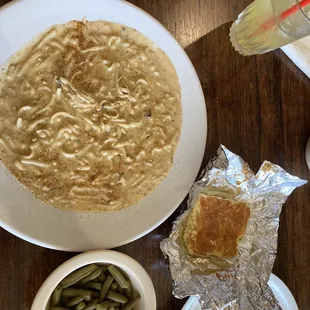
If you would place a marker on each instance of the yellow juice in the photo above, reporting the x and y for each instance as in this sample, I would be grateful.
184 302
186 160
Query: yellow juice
252 33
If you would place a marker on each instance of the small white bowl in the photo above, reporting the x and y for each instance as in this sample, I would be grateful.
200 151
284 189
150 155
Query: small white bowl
134 271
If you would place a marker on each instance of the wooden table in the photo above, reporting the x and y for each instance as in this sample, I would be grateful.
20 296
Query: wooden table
259 107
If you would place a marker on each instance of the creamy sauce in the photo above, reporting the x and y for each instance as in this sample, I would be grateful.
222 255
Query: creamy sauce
90 116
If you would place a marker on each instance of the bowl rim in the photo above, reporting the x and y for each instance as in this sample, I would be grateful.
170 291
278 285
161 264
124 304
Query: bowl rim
125 262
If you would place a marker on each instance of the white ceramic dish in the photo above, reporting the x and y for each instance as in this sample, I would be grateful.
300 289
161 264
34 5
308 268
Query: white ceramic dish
24 215
280 290
135 272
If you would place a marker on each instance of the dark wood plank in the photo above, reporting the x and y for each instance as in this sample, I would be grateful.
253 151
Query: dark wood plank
257 106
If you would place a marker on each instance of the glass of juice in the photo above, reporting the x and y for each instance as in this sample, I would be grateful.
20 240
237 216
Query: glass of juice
260 27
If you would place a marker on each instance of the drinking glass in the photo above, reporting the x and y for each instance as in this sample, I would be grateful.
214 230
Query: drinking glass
261 28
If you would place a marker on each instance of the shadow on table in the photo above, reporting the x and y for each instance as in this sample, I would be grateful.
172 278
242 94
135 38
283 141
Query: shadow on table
243 97
229 83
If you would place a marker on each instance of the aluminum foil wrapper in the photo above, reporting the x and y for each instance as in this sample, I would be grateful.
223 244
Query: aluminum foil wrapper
240 282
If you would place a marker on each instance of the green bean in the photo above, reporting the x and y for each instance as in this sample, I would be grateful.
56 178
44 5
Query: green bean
92 305
107 305
78 275
56 296
132 303
65 299
114 286
117 297
102 277
105 287
128 291
73 292
119 278
103 268
120 290
74 301
93 285
92 276
89 288
80 306
94 294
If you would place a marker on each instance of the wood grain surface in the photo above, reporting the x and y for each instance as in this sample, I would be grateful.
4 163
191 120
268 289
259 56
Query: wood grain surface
259 107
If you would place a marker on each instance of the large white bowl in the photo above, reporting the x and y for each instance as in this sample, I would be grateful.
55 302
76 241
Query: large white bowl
135 272
29 218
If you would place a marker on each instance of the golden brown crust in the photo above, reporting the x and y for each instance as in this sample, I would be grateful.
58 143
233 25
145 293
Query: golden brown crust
215 226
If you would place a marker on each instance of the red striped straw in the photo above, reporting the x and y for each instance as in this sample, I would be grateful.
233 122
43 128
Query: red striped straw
292 10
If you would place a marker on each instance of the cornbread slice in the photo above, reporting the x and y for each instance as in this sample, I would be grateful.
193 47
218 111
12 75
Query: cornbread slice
214 227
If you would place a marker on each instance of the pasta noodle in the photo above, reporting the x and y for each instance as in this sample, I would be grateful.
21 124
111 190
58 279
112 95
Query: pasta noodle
90 116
